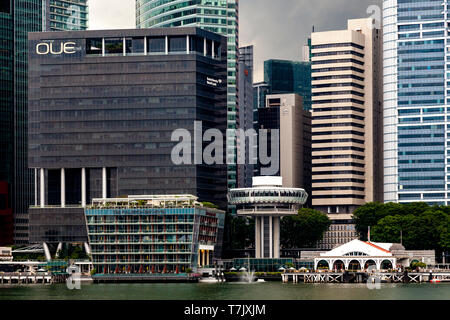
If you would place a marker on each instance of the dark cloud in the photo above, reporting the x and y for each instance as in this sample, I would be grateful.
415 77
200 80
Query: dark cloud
279 28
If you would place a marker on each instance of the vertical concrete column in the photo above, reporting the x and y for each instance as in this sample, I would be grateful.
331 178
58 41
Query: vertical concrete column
203 258
276 237
63 188
262 237
42 187
124 47
104 183
35 187
187 44
207 257
199 258
204 47
212 50
145 46
270 237
257 237
83 187
103 47
167 45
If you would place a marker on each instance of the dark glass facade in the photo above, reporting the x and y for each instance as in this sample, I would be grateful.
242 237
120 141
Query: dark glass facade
283 76
106 111
246 111
17 18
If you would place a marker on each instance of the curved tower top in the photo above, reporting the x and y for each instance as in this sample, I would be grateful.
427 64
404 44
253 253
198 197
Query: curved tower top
267 201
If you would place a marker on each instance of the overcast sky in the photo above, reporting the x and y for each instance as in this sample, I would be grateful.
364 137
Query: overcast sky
277 28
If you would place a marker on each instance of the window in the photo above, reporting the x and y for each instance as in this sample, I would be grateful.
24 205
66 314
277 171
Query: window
114 46
94 46
5 6
177 44
156 45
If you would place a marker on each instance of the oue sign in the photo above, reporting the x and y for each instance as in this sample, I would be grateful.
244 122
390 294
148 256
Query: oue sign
55 49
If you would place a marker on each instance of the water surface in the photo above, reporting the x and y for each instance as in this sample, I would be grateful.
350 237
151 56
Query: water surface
228 291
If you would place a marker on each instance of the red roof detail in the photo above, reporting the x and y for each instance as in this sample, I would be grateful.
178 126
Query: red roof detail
379 248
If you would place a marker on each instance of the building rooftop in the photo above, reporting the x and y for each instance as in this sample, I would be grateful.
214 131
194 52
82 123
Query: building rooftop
150 201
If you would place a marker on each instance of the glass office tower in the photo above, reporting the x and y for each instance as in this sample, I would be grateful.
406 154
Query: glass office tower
216 16
17 18
284 76
59 15
416 98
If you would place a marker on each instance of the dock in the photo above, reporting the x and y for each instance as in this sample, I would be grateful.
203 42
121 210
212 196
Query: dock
28 278
364 277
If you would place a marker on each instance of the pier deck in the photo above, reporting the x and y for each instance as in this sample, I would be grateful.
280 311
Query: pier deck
364 277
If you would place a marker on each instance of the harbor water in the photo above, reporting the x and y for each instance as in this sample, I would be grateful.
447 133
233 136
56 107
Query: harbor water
228 291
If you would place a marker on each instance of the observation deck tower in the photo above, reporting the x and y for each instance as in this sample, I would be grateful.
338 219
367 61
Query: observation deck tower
267 201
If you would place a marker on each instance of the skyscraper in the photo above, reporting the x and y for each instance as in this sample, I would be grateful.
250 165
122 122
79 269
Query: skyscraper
285 112
60 15
17 18
347 120
217 16
106 114
284 76
416 101
246 110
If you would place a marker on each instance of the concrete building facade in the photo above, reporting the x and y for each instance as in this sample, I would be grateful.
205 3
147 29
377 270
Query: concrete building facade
347 130
285 112
347 127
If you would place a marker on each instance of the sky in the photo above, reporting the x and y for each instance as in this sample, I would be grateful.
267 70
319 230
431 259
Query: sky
276 28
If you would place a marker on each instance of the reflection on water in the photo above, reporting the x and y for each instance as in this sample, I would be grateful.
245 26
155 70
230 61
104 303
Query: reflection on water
228 291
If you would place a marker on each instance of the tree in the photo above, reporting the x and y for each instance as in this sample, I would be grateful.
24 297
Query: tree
210 205
304 229
422 227
242 232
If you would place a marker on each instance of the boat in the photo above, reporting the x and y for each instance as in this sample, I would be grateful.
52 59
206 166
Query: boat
435 281
210 280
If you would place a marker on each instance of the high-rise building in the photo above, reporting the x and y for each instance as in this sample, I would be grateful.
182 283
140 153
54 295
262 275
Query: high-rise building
284 76
347 118
260 91
60 15
217 16
246 113
416 101
104 108
17 18
285 112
